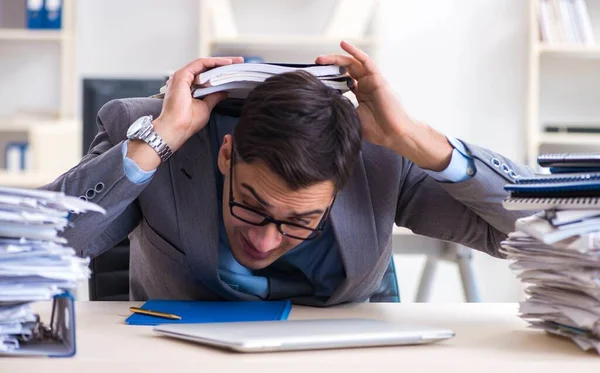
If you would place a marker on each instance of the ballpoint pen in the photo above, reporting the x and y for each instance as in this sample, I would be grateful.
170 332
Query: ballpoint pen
154 313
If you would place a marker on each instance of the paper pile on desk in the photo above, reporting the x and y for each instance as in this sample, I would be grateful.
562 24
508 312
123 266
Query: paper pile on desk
35 263
557 254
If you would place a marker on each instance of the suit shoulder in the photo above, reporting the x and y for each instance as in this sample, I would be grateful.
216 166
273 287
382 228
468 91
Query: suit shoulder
117 115
380 157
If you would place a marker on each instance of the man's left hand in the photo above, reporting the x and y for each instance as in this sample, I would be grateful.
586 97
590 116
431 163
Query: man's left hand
384 121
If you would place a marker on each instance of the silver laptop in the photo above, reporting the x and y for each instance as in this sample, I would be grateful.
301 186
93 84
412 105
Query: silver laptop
289 335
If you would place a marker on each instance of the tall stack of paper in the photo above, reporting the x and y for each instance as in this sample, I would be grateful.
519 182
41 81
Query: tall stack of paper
556 253
35 263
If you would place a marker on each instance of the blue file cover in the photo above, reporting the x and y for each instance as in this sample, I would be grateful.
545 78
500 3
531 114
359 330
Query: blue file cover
586 188
195 312
57 339
559 178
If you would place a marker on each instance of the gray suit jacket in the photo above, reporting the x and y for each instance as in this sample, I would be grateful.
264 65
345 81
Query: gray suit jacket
172 219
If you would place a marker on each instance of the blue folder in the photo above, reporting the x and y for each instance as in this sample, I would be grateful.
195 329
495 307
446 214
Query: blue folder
585 188
194 312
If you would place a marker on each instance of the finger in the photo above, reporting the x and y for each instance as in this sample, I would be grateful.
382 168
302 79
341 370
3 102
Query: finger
188 72
213 99
354 67
234 59
199 65
354 85
359 55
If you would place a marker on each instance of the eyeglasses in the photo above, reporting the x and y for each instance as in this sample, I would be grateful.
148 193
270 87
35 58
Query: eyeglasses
257 218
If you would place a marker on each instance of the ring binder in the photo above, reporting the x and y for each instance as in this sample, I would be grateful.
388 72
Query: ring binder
56 339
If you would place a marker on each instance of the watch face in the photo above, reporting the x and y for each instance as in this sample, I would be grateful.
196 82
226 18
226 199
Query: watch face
135 127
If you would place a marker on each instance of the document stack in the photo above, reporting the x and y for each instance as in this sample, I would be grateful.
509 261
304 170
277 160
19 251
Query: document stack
35 264
556 250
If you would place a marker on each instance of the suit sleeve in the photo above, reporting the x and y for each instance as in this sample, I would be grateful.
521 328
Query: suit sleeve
469 212
100 178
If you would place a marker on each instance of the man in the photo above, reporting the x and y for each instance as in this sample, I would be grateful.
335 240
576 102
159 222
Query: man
294 199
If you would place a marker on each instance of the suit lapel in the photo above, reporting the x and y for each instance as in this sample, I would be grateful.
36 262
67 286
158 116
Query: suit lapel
354 229
193 175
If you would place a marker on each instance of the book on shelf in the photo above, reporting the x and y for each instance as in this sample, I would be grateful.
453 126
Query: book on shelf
592 128
565 22
239 79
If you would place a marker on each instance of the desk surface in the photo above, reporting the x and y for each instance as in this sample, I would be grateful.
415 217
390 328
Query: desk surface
488 336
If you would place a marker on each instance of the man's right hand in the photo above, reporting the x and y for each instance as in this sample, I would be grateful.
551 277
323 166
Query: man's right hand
182 116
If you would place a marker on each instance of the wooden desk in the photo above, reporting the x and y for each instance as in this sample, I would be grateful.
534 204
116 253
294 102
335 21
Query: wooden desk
489 337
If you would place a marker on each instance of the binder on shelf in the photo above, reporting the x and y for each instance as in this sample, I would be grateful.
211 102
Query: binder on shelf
53 14
35 14
56 339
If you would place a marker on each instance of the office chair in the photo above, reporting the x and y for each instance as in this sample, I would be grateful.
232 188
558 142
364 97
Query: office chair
110 274
388 290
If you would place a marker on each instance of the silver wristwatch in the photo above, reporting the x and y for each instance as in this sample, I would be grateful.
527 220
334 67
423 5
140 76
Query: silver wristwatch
142 129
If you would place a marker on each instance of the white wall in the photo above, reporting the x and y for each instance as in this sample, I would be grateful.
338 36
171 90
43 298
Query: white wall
459 65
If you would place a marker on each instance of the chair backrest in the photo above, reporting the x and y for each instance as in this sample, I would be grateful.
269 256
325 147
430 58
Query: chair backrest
388 290
110 274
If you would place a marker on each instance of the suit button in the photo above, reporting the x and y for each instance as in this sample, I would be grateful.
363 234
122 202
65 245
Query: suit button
90 193
83 198
470 171
495 162
99 187
513 174
505 168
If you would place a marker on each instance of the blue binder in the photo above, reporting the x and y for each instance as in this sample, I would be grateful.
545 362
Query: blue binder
586 188
53 14
35 14
195 312
58 338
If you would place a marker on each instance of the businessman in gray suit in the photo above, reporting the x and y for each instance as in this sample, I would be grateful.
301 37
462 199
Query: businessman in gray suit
294 199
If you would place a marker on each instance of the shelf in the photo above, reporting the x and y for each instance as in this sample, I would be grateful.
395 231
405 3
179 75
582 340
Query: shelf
32 35
566 50
266 41
570 138
26 179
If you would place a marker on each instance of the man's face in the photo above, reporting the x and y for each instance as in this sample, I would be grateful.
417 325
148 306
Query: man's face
257 187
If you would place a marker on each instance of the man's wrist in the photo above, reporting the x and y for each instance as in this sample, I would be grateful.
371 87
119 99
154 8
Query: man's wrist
143 155
424 146
170 134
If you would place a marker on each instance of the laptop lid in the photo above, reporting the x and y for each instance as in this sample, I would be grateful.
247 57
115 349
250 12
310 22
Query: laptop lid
289 335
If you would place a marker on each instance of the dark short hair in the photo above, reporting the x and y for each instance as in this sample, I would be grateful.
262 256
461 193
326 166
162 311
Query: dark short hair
303 130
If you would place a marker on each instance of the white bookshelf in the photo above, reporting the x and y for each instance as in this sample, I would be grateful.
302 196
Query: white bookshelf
219 32
16 34
64 39
570 139
543 52
284 42
573 51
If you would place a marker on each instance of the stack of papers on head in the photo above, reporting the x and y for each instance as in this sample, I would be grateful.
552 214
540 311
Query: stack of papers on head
239 79
556 253
35 263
